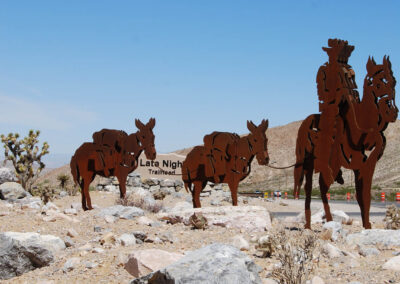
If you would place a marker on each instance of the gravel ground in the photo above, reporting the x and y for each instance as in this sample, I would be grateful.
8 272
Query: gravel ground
109 263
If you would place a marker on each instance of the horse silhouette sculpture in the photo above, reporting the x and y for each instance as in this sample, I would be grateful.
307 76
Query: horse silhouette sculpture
112 153
224 158
359 140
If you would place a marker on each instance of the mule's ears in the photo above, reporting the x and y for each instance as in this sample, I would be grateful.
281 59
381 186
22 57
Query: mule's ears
139 124
251 126
386 62
264 124
151 123
370 65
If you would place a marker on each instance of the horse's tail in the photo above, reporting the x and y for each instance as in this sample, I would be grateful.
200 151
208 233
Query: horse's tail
74 170
304 146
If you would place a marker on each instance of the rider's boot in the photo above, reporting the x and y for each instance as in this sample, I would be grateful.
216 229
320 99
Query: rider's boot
339 177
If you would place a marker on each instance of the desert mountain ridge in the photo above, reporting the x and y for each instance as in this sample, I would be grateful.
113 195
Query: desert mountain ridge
281 148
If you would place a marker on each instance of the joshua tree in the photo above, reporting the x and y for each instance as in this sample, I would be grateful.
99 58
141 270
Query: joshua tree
63 179
24 153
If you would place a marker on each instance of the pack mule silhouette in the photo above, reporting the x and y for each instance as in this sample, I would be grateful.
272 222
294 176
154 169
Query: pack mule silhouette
225 157
112 153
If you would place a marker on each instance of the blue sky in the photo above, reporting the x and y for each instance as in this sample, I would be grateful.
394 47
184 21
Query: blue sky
70 68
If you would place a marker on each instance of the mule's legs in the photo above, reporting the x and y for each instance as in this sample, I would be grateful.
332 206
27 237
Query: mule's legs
363 188
324 190
308 190
88 178
198 187
122 184
82 186
233 186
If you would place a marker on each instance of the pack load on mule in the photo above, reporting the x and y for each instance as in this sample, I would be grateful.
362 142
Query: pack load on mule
112 153
224 158
348 133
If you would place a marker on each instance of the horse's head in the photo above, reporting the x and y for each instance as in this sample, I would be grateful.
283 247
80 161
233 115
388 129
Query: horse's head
258 141
146 137
381 81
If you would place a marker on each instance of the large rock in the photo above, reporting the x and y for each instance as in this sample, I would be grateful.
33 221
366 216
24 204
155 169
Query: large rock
319 217
167 183
331 251
123 212
392 264
335 228
7 175
12 191
143 262
23 252
216 263
375 237
248 218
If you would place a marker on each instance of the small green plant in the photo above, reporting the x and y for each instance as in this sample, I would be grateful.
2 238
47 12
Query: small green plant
63 179
25 156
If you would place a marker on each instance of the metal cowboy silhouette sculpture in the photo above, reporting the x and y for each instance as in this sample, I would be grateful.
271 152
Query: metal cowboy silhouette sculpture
225 157
112 153
348 133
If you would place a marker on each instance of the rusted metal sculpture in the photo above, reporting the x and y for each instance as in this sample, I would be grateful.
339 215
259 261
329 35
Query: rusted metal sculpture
112 153
348 133
224 158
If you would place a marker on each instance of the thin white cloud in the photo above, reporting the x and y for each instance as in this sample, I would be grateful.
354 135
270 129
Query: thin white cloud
50 116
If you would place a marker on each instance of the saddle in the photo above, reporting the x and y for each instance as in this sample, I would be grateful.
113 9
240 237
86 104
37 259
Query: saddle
216 147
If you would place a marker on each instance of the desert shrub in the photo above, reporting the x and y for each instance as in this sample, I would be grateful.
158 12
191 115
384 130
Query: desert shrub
25 156
139 201
392 218
72 190
63 179
295 251
45 191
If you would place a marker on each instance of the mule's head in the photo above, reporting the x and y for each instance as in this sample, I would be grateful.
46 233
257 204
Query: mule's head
146 137
258 141
381 82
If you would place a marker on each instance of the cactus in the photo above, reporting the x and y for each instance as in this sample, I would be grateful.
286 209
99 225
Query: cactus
25 156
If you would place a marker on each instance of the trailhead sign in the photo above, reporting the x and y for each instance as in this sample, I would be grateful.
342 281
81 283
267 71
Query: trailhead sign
165 166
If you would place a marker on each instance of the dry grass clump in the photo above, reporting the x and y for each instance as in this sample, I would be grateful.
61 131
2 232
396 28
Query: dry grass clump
139 201
392 218
45 191
198 221
295 251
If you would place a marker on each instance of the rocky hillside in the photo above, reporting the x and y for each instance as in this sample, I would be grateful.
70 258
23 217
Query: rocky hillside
281 147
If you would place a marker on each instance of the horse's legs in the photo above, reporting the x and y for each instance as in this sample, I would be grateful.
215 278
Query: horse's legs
233 186
298 180
308 190
122 184
363 188
358 182
324 190
198 187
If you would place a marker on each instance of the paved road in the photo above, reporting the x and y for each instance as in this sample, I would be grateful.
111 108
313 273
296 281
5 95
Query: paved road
351 214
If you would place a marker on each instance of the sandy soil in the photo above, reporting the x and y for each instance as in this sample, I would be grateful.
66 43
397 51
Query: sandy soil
110 263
